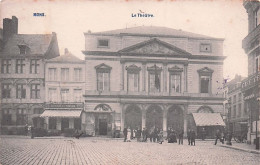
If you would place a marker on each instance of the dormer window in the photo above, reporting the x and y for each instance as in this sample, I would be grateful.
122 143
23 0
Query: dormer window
103 43
23 49
205 47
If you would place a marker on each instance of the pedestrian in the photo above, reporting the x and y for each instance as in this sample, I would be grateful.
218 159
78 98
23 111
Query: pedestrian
218 137
138 134
192 138
189 136
128 135
125 134
144 134
26 130
181 137
32 132
151 134
160 137
203 133
168 132
174 137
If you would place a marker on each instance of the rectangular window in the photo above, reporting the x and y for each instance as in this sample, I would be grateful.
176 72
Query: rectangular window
77 95
103 43
52 123
152 85
38 111
20 91
245 108
257 17
133 82
64 74
234 98
6 91
6 117
175 83
21 116
52 74
239 96
205 47
103 81
35 91
52 93
257 66
34 66
64 95
239 110
234 111
19 68
204 84
77 74
6 66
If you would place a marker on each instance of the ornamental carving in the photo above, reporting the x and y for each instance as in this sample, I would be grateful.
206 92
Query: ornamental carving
103 108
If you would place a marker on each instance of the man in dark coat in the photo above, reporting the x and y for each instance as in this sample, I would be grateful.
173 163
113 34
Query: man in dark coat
181 137
218 136
189 136
144 134
125 133
192 138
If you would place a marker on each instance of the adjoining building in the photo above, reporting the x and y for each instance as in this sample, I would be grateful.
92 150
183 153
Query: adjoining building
147 77
64 87
22 76
251 85
237 114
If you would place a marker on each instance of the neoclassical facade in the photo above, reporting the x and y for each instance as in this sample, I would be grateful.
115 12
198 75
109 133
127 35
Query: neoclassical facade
150 77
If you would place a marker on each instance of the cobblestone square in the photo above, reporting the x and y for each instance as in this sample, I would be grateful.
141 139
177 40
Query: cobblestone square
22 150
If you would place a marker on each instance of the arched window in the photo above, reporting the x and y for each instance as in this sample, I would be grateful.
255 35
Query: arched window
103 108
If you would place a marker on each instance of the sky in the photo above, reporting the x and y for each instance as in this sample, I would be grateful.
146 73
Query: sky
71 18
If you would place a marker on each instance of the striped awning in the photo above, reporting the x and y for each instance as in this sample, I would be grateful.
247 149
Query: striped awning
208 119
62 113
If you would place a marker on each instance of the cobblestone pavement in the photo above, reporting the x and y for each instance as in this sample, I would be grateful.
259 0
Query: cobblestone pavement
106 151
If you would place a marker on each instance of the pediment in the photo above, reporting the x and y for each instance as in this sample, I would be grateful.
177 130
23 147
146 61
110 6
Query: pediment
175 69
103 66
205 70
154 46
133 67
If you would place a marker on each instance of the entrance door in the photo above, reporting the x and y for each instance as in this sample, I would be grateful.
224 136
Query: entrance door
154 117
102 126
64 123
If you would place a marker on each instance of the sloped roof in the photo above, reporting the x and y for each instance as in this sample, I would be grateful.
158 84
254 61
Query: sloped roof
68 57
156 31
37 43
208 119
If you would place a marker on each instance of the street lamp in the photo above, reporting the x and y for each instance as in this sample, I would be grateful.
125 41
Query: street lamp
229 135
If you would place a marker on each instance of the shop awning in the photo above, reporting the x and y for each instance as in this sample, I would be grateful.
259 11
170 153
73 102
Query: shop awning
62 113
208 119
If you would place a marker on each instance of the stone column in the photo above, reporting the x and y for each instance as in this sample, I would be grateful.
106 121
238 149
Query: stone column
122 76
122 117
185 115
143 117
164 77
185 78
165 122
144 76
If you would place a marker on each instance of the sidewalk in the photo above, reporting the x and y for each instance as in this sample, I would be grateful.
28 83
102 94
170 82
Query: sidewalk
242 147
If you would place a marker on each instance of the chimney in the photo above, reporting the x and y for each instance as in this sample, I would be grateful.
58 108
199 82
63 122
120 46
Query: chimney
10 27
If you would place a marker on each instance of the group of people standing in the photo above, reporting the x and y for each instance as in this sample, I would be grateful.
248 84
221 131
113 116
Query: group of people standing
154 134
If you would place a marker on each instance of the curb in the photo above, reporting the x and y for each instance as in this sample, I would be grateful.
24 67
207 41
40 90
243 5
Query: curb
241 149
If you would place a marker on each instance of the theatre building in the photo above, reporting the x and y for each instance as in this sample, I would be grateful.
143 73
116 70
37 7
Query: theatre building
147 77
64 87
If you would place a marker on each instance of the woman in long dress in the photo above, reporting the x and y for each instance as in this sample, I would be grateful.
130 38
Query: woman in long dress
128 135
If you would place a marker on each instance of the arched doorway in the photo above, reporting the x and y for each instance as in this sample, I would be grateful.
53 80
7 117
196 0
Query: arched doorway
175 118
154 117
133 117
